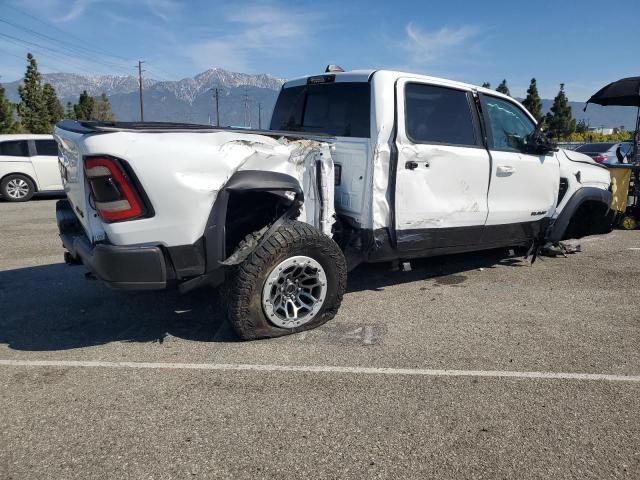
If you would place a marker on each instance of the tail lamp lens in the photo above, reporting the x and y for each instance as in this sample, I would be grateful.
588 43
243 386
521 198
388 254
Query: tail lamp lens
115 195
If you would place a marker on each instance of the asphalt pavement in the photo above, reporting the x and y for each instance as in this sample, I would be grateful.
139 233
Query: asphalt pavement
468 366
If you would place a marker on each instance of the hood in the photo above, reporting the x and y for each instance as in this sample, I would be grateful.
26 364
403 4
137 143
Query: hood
578 157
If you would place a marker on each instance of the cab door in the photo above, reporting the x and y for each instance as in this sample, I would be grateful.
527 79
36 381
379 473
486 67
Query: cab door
442 173
44 157
524 186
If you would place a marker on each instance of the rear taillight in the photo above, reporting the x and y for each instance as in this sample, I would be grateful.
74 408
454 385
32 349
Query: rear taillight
600 158
114 193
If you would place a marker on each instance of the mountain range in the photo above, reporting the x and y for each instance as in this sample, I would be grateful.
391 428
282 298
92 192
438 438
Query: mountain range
241 97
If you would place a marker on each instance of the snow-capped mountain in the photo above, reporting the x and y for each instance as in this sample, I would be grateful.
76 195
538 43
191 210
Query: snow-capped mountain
72 84
186 100
188 89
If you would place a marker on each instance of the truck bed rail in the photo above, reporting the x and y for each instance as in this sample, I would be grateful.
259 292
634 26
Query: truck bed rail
87 127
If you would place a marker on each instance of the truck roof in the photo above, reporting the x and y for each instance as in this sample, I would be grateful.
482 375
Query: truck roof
365 76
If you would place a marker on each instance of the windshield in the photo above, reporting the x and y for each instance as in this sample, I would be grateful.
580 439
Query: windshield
595 147
340 109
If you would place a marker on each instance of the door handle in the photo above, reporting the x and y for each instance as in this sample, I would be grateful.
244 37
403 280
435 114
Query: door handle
505 170
411 165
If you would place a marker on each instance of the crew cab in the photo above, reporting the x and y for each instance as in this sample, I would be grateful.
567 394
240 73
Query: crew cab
362 166
28 165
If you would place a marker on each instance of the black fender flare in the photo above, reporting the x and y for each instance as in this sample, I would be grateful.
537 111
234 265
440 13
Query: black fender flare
245 180
585 194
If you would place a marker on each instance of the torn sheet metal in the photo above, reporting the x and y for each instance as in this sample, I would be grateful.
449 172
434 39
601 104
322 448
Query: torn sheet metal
309 162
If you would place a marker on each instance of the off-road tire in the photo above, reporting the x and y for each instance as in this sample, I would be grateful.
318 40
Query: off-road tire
242 291
4 186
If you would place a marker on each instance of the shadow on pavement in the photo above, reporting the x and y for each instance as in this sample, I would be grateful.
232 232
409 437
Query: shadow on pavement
54 307
39 197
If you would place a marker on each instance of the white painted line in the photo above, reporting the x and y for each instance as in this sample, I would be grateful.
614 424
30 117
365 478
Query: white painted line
421 372
634 248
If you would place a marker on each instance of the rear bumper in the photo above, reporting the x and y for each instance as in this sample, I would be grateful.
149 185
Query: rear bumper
134 268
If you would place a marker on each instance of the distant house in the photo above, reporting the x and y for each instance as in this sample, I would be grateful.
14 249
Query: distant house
602 130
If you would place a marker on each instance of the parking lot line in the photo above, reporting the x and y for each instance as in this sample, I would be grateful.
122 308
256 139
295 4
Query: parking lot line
323 369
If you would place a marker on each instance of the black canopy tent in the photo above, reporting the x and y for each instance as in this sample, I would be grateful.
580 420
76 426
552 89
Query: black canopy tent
624 92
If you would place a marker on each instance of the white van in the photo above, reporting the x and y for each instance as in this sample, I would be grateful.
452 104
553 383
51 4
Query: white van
28 164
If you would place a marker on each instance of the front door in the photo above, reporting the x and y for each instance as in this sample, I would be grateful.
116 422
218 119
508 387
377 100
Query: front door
442 173
524 186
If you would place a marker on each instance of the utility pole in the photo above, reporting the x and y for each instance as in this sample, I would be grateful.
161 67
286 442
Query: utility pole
245 99
140 62
259 116
217 109
216 96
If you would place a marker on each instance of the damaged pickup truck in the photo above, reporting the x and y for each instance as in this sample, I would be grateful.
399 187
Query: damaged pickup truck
363 166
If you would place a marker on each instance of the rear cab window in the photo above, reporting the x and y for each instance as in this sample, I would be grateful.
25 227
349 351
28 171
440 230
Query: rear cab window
439 115
341 109
14 148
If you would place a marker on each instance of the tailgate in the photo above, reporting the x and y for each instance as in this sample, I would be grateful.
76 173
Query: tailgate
73 181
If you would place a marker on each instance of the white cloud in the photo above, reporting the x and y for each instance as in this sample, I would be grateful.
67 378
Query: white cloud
258 30
427 47
220 53
163 9
76 11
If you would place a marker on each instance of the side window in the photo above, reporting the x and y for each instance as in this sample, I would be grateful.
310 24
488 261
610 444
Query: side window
438 115
47 147
14 148
509 126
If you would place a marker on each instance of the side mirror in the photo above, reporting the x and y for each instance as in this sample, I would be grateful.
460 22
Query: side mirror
539 144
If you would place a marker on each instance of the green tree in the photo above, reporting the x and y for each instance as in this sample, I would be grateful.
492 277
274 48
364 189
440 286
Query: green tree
68 112
486 85
8 123
83 110
582 127
33 107
54 108
102 109
532 102
503 88
560 120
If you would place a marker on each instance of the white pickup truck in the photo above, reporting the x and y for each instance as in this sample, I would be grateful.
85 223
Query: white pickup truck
362 166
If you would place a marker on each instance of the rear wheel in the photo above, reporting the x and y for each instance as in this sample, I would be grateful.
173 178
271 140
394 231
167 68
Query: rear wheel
17 188
293 282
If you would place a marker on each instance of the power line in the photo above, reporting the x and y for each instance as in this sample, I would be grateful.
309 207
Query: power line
50 49
74 50
67 34
70 48
62 58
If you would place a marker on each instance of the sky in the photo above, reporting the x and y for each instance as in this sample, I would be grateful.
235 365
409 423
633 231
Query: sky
579 44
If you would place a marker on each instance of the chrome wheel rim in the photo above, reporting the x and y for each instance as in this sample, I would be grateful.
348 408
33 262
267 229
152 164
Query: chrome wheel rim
294 292
17 188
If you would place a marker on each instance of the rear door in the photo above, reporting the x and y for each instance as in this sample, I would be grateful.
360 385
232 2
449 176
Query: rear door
524 186
327 104
45 163
15 158
442 172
